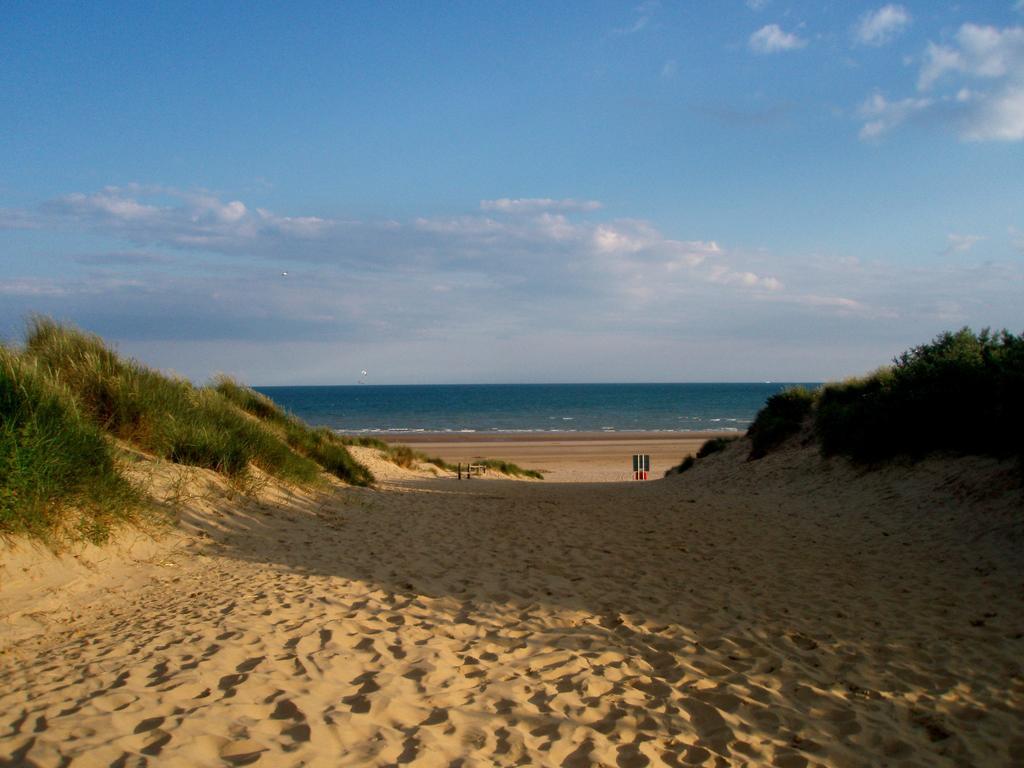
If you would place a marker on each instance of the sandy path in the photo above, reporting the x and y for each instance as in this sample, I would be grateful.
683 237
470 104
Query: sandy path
721 622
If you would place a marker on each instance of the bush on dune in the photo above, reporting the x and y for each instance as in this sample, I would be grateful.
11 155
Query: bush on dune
959 393
781 417
715 445
57 471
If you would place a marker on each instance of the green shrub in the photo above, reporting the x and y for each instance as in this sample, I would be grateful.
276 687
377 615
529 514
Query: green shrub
960 393
781 417
57 472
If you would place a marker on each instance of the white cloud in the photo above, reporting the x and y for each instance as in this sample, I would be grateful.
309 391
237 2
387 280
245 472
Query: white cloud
537 204
975 84
883 115
726 276
997 117
110 202
772 39
757 5
980 52
881 26
669 68
174 217
961 243
645 12
518 261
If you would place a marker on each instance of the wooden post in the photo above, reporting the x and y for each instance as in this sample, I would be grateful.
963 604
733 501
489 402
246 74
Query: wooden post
460 470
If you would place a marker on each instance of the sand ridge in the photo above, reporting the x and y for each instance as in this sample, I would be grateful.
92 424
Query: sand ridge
719 618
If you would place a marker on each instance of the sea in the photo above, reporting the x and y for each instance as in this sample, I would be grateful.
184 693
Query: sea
399 409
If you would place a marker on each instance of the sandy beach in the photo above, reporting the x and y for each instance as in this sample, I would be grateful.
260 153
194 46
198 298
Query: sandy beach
788 612
568 456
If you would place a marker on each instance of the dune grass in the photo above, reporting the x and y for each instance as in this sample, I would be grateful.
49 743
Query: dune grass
508 468
162 415
58 477
402 455
318 444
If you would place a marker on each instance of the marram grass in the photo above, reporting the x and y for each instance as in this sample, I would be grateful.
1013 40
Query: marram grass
318 444
161 415
58 478
66 396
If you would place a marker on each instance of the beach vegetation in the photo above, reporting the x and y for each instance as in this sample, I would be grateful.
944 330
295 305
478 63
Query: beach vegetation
58 474
715 445
162 415
508 468
781 417
683 466
319 444
959 393
70 406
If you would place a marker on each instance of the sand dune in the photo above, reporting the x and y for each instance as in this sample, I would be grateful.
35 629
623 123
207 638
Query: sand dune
789 612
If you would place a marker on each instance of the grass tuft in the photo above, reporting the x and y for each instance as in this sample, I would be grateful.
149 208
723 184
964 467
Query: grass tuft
508 468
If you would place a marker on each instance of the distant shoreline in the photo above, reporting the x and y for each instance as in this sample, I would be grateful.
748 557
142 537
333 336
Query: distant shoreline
417 438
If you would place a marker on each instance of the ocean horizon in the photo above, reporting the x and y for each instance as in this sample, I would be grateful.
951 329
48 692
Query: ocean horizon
496 408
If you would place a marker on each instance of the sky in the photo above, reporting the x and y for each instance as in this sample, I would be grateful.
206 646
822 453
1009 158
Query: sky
729 190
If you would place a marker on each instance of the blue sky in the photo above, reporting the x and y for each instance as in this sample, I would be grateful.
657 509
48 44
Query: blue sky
485 191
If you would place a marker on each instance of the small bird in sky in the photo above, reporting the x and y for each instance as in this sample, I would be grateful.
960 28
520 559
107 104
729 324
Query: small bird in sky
284 274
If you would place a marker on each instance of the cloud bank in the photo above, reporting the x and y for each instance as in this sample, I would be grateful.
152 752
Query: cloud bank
193 271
